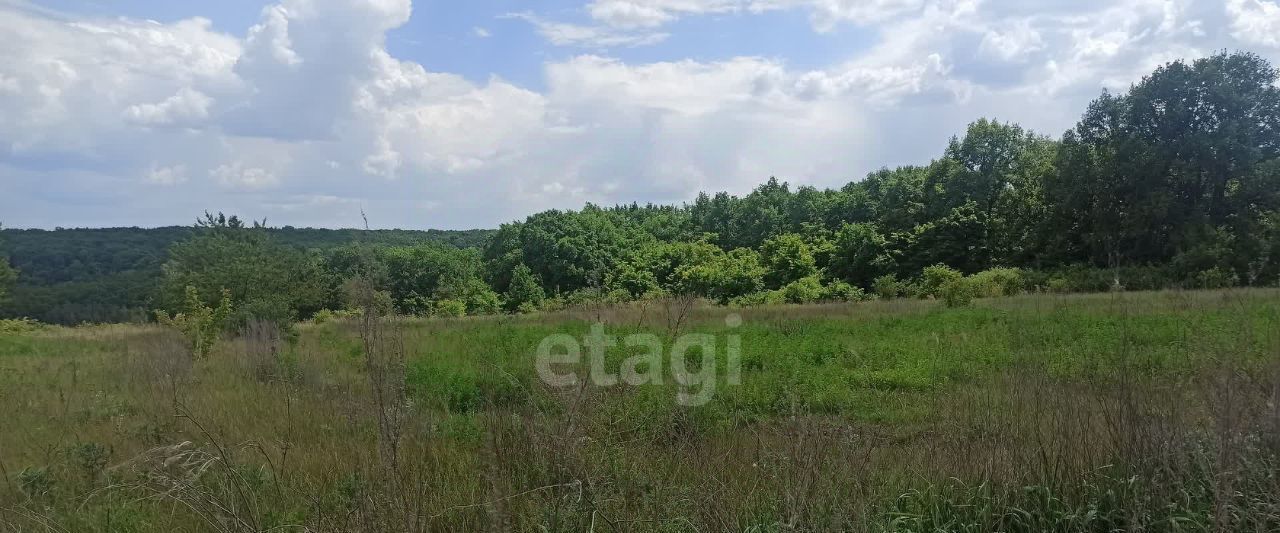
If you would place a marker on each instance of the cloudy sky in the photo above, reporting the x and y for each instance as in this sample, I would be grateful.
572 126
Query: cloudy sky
459 114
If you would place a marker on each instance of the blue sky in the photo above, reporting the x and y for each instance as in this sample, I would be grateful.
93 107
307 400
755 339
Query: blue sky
469 114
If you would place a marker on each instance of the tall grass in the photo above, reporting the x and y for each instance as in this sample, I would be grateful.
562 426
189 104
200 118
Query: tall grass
1151 411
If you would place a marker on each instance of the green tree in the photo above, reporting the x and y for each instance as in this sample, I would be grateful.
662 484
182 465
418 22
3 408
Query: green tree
257 273
961 239
724 277
631 279
419 276
861 254
567 250
1154 173
7 277
524 294
7 274
786 258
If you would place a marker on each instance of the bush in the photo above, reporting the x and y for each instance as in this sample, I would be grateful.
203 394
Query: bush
958 292
933 278
802 291
485 302
594 296
758 298
1215 278
1082 278
18 325
997 282
329 315
840 291
275 311
887 287
200 324
449 308
359 292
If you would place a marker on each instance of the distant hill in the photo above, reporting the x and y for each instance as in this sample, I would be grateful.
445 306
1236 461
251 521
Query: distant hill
69 276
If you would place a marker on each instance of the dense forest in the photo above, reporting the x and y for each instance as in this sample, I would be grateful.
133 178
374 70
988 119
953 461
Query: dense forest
1175 183
70 276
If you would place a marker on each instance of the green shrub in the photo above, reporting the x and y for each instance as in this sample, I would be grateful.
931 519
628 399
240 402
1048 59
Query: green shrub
90 457
1083 278
958 292
200 324
18 325
619 296
449 308
758 298
35 482
997 282
1215 278
802 291
329 315
840 291
484 302
588 296
933 278
887 287
276 311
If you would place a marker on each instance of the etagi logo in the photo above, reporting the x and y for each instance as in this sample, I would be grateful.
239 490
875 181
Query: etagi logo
696 387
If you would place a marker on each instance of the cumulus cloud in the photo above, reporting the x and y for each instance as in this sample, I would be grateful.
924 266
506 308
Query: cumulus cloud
173 175
237 176
188 106
306 117
1255 21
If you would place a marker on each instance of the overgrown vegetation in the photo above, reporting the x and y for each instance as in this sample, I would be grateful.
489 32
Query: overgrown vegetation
200 324
1123 411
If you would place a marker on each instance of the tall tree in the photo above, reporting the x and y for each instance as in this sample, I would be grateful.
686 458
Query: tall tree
862 253
7 274
260 275
1165 169
786 258
525 292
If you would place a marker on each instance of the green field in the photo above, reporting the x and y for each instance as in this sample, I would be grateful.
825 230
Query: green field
1126 411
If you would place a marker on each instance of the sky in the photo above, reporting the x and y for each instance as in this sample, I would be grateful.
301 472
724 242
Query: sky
464 114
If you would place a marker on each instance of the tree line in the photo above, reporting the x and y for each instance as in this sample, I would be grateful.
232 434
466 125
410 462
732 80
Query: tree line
74 275
1175 183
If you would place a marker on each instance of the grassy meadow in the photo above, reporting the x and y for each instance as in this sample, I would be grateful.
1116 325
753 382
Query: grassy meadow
1151 411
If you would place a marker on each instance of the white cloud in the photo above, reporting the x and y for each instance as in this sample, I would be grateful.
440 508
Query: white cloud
68 86
239 177
481 32
1255 21
1013 44
187 106
565 34
173 175
825 14
308 116
652 13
